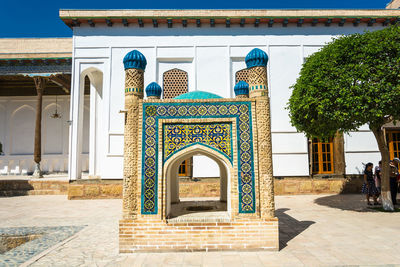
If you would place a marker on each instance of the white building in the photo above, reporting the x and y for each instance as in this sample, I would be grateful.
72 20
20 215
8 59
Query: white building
208 47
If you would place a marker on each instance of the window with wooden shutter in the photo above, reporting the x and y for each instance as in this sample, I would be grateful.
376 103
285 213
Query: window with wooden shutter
322 156
393 139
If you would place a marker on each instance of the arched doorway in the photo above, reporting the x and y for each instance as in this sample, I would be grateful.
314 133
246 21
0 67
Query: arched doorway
174 207
86 125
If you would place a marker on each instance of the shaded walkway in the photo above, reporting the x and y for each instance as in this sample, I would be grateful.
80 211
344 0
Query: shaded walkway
354 202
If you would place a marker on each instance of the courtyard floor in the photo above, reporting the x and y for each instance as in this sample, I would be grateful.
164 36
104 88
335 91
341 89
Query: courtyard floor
315 230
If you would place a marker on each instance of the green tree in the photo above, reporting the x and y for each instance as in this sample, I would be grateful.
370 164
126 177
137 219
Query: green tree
352 81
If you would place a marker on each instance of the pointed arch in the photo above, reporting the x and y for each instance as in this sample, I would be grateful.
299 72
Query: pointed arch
52 130
170 174
87 123
22 126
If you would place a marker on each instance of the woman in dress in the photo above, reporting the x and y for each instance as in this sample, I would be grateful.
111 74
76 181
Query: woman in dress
369 188
378 177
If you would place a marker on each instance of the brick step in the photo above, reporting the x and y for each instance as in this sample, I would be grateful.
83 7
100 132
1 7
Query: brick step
13 193
46 192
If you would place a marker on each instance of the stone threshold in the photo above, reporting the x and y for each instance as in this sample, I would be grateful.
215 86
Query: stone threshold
220 217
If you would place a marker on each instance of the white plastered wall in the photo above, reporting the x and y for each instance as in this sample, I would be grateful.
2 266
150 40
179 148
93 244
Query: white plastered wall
211 56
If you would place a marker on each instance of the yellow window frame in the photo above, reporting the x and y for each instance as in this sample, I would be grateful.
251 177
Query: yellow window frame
393 138
183 168
322 156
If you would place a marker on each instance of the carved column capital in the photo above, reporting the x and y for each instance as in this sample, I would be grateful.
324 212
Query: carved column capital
40 83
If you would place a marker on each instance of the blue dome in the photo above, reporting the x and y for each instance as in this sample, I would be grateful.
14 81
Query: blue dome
256 58
241 88
135 60
198 95
153 89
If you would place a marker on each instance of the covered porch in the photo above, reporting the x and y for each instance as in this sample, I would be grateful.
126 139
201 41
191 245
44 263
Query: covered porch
35 82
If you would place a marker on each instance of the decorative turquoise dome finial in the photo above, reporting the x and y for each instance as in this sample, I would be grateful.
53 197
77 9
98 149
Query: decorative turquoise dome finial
241 88
135 60
153 89
256 58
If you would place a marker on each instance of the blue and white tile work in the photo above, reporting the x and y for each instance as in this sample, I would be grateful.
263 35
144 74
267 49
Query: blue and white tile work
241 111
50 236
216 136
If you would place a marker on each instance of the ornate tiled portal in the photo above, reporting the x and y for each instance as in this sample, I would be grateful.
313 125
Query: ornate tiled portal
235 132
217 136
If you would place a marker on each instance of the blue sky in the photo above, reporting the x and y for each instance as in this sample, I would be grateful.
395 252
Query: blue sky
40 18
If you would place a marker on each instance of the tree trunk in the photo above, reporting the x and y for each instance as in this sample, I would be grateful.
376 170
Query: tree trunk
387 203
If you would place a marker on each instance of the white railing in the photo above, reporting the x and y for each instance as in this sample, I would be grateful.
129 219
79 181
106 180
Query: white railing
24 164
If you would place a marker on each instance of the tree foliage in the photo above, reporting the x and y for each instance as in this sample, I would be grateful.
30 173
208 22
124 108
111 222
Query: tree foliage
352 81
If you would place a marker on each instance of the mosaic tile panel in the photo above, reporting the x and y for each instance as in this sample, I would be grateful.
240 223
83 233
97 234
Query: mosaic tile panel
215 135
241 111
49 237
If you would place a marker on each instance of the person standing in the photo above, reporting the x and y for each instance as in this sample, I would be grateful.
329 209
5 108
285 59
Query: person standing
369 188
378 176
394 172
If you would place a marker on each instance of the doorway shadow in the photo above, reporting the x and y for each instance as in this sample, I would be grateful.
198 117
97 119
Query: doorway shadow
289 227
351 202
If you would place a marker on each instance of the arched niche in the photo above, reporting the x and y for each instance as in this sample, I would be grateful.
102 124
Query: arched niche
171 179
22 129
87 123
92 118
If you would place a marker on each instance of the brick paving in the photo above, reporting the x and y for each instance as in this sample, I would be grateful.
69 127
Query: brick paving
315 230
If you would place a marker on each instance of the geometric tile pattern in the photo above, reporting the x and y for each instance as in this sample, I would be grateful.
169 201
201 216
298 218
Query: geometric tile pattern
215 135
175 82
134 78
258 78
242 75
48 237
241 111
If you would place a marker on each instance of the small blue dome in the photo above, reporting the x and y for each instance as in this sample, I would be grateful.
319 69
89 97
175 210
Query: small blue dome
256 58
241 88
135 60
198 95
153 89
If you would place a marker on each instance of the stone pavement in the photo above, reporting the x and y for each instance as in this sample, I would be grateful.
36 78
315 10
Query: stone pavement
315 230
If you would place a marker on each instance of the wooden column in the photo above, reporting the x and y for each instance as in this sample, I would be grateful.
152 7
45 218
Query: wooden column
40 83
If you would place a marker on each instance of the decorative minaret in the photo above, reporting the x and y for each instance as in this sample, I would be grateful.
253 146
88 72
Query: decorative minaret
134 64
153 91
256 62
241 89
